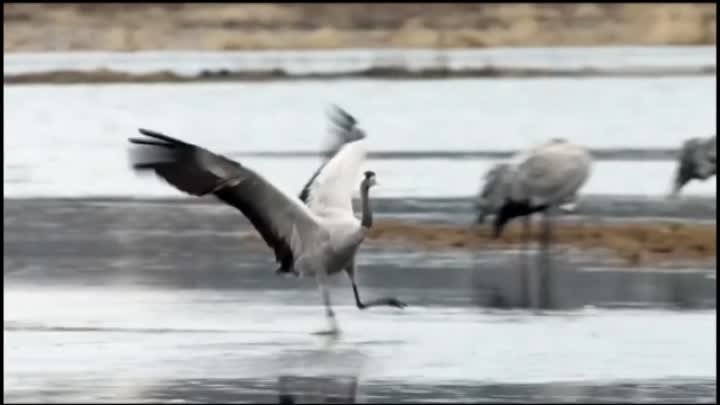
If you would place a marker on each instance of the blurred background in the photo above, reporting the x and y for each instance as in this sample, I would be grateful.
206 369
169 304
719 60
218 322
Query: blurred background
119 287
260 26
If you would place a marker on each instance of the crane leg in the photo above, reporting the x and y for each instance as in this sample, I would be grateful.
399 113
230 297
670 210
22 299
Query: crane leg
391 302
545 260
524 270
329 313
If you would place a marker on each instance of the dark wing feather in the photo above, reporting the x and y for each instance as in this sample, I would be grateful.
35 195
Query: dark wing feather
199 172
187 167
345 130
234 196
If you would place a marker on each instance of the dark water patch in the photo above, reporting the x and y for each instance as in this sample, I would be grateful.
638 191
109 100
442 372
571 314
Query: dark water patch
379 72
13 326
350 389
606 154
179 245
434 210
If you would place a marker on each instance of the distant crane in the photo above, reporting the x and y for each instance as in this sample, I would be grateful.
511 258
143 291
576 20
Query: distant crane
696 161
538 180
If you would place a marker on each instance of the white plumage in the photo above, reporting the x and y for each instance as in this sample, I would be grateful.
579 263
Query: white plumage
547 175
331 192
551 174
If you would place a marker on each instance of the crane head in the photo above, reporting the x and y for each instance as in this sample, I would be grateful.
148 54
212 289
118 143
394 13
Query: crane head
513 209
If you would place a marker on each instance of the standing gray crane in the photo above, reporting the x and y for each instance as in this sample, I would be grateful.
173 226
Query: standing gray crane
696 161
320 241
538 180
495 185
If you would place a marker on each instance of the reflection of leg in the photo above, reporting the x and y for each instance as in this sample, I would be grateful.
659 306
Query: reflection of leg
545 265
284 397
351 393
329 313
525 269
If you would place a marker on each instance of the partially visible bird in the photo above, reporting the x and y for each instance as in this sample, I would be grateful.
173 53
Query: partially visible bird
696 161
542 179
495 185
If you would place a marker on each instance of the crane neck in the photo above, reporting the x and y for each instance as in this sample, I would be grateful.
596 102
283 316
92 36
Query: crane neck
367 219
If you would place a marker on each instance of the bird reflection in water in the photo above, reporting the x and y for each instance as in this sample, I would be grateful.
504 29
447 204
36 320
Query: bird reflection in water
317 390
326 374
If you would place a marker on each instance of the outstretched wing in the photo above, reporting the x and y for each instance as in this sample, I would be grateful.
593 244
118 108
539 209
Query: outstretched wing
329 191
284 223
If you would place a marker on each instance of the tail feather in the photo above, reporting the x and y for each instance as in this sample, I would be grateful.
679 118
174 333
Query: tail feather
341 118
159 149
158 135
139 141
141 166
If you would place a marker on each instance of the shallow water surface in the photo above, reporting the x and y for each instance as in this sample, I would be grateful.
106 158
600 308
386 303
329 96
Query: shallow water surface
95 344
61 140
124 299
139 301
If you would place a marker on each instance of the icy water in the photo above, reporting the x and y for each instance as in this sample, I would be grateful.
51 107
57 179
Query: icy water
138 300
72 140
102 344
119 298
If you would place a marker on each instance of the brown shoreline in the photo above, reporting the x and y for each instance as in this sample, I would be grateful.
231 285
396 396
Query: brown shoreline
632 244
226 26
111 76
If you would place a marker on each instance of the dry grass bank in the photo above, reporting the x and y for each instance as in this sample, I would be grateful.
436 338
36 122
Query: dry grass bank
640 243
633 244
129 27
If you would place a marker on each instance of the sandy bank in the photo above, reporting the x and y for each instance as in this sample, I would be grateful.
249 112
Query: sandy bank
117 26
633 244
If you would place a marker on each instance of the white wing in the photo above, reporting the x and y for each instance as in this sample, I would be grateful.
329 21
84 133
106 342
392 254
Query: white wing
331 192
